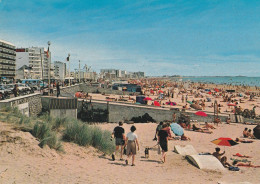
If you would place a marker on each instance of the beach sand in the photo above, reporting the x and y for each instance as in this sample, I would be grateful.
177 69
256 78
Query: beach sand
23 161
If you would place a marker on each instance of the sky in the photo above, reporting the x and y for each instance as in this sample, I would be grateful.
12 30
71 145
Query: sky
159 37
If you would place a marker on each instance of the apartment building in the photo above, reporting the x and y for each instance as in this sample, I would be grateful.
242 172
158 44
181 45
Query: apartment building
7 61
59 70
36 58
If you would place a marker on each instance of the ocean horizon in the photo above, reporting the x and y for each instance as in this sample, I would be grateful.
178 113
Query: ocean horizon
228 80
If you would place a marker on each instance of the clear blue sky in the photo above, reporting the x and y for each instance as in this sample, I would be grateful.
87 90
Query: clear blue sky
196 37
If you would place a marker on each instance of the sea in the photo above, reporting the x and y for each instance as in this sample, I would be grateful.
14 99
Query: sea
229 80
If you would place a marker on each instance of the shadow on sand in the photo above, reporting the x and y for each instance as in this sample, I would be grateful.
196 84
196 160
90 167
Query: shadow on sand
116 163
156 161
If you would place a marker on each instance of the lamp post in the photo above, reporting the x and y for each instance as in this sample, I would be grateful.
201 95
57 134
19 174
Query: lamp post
68 59
79 71
49 68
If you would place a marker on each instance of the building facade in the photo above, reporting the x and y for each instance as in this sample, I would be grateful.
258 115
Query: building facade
59 70
7 61
36 58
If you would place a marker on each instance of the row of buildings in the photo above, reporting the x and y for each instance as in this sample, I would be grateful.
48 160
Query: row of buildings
35 63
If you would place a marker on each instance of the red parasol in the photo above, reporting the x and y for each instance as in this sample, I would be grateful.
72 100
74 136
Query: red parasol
216 89
147 98
232 104
160 91
201 113
156 103
209 93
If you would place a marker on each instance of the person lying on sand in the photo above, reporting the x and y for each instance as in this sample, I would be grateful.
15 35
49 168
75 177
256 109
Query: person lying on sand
208 126
236 163
196 129
223 159
242 156
243 140
185 138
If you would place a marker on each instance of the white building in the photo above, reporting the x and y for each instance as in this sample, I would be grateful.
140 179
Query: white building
60 70
35 58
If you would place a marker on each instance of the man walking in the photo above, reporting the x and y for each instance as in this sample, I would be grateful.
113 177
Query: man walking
58 89
119 134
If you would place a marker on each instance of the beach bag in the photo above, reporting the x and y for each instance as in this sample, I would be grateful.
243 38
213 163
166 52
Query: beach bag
159 149
233 168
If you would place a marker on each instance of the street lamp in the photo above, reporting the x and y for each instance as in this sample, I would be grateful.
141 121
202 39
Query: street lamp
68 59
49 68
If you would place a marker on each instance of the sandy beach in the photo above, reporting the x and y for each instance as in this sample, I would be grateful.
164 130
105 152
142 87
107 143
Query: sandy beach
23 161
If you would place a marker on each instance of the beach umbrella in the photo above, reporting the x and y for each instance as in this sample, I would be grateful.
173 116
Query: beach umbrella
147 99
177 129
201 113
216 89
190 102
209 93
224 141
160 91
232 104
156 103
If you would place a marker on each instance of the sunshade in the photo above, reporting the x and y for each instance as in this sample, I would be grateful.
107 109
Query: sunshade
209 93
177 129
224 141
232 104
160 91
147 98
216 89
201 113
190 102
156 103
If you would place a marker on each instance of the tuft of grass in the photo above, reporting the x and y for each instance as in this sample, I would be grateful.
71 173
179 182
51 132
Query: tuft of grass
59 122
78 133
43 132
86 135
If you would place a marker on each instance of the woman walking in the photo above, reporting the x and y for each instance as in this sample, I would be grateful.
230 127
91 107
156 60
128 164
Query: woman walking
131 141
163 141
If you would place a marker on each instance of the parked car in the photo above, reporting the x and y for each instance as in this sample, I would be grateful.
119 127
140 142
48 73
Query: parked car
4 93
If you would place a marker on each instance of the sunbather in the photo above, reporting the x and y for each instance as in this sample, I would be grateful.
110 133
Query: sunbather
242 156
196 129
243 140
236 163
208 126
185 138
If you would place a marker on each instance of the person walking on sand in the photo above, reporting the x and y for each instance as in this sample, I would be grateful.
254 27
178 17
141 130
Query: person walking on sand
131 141
119 134
58 89
163 142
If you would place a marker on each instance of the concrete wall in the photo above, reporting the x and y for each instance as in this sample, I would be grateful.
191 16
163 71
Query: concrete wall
33 100
62 113
91 89
120 111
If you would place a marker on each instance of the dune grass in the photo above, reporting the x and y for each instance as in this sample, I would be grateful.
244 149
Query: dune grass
87 135
47 129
